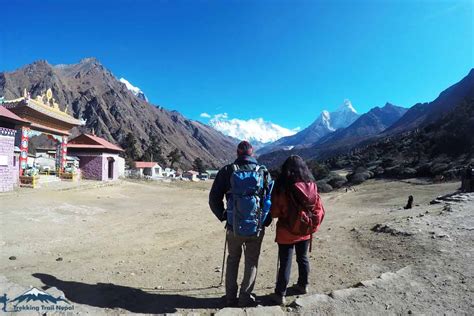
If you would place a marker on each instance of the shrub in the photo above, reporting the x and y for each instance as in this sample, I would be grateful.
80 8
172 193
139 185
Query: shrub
358 178
323 187
336 181
319 171
438 168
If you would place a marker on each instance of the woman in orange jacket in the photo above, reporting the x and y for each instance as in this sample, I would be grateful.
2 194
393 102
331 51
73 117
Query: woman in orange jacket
295 177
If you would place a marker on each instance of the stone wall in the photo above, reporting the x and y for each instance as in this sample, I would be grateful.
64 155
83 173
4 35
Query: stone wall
90 165
95 166
8 176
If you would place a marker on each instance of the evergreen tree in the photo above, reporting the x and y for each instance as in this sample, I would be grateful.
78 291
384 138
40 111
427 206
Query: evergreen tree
154 152
174 157
198 165
132 152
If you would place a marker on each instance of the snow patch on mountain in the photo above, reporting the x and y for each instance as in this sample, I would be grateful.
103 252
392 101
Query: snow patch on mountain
135 90
325 120
253 130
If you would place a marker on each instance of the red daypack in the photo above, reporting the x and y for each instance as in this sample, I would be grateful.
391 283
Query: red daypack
305 210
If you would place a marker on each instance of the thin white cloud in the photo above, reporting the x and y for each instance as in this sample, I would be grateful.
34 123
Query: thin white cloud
253 129
205 115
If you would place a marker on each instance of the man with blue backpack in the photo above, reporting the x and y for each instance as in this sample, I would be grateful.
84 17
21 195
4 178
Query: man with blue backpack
247 188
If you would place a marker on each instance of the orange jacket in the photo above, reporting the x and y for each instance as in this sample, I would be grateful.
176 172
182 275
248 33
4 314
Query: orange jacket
279 209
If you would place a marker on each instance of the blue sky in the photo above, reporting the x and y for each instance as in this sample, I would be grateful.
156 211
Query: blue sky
284 61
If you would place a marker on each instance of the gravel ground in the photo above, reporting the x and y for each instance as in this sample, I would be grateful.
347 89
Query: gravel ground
138 247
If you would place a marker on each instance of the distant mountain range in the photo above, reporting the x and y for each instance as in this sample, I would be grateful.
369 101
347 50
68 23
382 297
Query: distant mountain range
441 149
367 125
112 110
370 127
325 124
257 131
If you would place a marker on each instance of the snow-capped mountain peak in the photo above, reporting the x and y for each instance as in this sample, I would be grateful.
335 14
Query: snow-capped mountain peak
135 90
344 116
254 130
326 123
325 120
346 106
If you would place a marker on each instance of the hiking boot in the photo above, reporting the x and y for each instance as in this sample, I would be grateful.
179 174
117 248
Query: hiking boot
230 302
278 299
301 289
247 301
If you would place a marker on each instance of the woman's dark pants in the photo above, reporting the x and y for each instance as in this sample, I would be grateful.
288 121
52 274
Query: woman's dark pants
286 255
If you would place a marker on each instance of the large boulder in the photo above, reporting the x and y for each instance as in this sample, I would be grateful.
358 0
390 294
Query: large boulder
407 172
379 171
336 181
323 186
438 168
452 174
358 178
393 171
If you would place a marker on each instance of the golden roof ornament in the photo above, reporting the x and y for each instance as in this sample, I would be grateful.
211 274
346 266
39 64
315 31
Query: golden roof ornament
54 104
49 94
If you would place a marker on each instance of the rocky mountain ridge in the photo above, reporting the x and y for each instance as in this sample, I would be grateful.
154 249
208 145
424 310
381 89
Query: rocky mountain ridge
418 116
326 123
91 92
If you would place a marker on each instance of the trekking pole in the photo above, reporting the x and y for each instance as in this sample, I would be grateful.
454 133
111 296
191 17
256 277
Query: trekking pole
223 258
278 267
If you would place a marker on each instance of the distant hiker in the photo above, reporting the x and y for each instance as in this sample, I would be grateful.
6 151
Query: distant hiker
298 207
409 203
246 186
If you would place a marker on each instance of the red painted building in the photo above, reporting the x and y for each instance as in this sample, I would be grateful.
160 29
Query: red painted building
98 158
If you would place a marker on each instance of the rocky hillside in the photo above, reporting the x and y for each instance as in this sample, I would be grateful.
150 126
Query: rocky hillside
440 150
424 113
92 92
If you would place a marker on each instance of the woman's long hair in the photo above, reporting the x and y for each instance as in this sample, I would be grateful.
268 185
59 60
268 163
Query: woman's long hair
293 170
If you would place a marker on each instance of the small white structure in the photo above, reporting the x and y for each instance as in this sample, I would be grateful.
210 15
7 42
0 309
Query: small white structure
121 167
148 169
169 173
212 173
191 175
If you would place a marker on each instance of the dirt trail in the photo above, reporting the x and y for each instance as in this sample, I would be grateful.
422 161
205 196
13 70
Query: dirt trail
156 247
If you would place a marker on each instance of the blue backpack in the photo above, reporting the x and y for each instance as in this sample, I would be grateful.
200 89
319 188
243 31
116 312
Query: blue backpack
249 201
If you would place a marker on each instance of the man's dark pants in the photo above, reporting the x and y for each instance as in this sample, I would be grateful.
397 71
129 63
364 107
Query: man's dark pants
286 255
251 248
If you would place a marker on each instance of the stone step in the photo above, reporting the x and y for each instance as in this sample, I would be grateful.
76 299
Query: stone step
47 179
